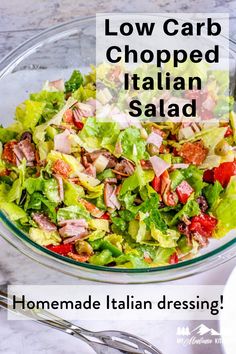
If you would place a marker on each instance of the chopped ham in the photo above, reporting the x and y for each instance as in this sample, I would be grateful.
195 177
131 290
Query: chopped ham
62 142
74 238
155 139
82 110
180 165
57 85
60 186
25 150
75 222
90 170
44 222
71 230
19 154
110 196
110 180
146 164
159 166
124 168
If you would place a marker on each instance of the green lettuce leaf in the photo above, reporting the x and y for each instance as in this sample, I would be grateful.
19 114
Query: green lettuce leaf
190 209
97 134
6 135
162 256
154 217
83 93
166 239
194 177
226 209
44 238
133 145
139 178
74 82
37 201
72 193
53 102
212 193
73 212
29 113
14 211
33 184
51 190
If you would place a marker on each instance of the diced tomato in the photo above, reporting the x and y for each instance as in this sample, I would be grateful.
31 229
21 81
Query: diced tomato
79 125
203 224
174 258
184 190
62 168
208 176
229 132
224 172
105 216
68 116
8 152
156 184
61 249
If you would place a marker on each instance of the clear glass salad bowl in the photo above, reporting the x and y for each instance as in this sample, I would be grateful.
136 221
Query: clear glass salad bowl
51 55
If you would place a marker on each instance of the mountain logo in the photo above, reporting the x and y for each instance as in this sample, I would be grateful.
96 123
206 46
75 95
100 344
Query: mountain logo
203 329
200 330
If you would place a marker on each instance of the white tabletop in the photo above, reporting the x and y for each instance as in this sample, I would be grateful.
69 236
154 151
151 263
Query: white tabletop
22 337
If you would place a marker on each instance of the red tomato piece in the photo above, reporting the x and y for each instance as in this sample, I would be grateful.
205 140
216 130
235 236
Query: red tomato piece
184 190
61 249
156 184
224 172
174 258
105 216
229 132
208 176
204 224
79 125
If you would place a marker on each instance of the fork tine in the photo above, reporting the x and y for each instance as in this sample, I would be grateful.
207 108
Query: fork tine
140 343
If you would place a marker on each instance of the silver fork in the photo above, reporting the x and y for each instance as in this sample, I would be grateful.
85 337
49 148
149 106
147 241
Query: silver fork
103 342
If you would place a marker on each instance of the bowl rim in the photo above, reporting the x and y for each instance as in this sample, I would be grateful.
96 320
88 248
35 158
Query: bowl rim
23 236
9 62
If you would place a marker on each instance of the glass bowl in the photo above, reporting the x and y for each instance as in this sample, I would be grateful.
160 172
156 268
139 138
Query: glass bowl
51 55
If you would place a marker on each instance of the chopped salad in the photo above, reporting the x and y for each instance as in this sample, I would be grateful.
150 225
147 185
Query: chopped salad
130 195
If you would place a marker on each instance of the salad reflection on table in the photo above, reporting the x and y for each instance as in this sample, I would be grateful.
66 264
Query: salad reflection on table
130 196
